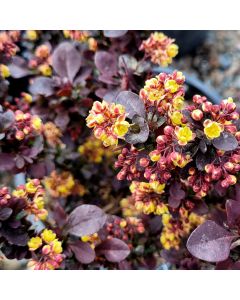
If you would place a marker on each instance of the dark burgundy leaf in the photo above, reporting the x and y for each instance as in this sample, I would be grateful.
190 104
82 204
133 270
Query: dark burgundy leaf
233 212
42 86
200 207
226 142
5 213
84 74
113 249
142 132
6 120
202 160
83 252
176 195
210 242
106 63
66 61
224 265
18 68
20 162
14 236
7 161
86 220
127 61
114 33
132 103
62 120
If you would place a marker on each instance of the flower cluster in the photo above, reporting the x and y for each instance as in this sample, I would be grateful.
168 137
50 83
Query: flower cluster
76 35
52 134
108 122
174 229
124 229
62 185
47 251
33 194
146 197
26 125
160 48
93 151
8 47
42 60
165 92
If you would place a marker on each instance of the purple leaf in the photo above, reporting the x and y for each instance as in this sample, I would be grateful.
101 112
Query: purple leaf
210 242
6 120
114 33
83 252
106 63
226 142
18 68
127 61
5 213
114 250
233 212
6 161
86 220
66 61
15 236
42 86
132 103
176 195
142 131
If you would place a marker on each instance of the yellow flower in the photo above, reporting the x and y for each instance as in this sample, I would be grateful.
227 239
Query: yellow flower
154 155
39 202
161 209
31 35
36 123
85 238
48 236
172 50
19 193
212 130
34 243
153 90
45 70
120 128
31 188
157 187
57 246
176 118
148 208
178 102
165 219
27 98
5 72
184 135
123 224
171 85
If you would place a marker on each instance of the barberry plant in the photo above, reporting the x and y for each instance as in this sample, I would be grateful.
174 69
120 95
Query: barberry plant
106 164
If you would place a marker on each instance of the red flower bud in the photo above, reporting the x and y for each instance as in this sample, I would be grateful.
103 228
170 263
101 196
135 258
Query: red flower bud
197 115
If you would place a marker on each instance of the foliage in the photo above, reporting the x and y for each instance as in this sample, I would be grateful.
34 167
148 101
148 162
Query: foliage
121 169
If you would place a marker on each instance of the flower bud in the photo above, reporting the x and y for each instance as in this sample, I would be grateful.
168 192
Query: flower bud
197 115
19 135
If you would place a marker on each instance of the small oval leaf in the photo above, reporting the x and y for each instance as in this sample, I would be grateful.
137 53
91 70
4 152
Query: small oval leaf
114 250
85 220
226 142
132 103
83 252
210 242
114 33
